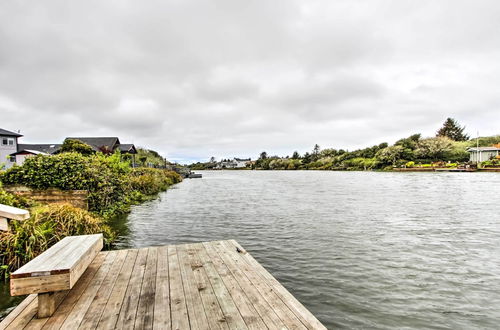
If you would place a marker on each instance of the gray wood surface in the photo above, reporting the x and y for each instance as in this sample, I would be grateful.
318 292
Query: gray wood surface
193 286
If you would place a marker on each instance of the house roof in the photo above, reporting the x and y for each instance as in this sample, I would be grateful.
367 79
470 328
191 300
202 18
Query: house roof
41 148
9 133
129 148
98 142
27 151
483 149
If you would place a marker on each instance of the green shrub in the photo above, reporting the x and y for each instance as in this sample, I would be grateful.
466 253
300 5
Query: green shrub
46 226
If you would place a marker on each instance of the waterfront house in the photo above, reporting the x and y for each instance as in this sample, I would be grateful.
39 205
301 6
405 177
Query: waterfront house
17 153
482 154
234 163
8 145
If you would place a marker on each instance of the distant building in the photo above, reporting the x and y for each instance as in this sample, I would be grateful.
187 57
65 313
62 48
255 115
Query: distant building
234 163
8 145
482 154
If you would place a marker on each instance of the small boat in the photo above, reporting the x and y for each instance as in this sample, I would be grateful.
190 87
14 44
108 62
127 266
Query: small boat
192 175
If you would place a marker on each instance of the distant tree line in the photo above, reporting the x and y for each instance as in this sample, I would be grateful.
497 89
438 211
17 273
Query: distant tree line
449 145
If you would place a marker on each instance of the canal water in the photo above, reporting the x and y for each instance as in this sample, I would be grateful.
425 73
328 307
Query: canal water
361 250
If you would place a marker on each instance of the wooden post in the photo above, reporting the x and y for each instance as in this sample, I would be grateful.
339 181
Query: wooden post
4 224
46 304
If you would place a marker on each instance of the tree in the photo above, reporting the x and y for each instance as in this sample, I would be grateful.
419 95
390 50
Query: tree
390 155
438 148
263 155
72 145
316 150
212 159
295 155
452 130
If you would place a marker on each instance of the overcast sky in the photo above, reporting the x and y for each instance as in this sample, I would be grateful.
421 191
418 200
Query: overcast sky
194 79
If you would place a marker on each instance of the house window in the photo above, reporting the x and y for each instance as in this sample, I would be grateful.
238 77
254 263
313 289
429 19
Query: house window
7 141
12 159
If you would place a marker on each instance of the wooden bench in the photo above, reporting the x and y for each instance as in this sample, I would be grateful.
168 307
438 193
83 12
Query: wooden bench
56 269
11 213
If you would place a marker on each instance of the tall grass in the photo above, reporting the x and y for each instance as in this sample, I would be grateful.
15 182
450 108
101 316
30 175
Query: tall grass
47 225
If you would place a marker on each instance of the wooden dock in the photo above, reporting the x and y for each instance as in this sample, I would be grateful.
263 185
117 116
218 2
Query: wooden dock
214 285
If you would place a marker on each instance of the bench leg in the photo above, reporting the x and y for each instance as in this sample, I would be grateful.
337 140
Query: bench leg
46 304
4 224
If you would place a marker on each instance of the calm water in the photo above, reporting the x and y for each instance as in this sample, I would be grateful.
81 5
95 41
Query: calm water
360 250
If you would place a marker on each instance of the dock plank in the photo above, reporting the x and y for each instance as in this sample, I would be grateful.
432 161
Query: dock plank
145 309
215 316
197 317
178 307
162 319
299 310
113 306
96 308
252 319
229 310
76 315
128 312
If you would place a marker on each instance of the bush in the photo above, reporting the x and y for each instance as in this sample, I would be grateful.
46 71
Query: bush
103 177
150 181
46 226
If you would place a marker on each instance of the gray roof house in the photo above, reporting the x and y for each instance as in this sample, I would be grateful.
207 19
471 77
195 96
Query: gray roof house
8 145
106 144
99 144
482 154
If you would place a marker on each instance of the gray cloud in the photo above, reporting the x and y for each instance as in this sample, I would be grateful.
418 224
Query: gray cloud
194 79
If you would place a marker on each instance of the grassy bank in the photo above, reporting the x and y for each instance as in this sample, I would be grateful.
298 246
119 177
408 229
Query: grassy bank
112 185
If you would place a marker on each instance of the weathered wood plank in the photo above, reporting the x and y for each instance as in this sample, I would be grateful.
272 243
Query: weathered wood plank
228 306
299 310
162 296
17 311
252 319
196 312
179 312
126 319
259 302
115 301
96 308
145 309
76 315
215 315
280 308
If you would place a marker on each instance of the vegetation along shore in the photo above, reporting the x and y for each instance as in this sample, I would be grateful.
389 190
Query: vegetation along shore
450 148
112 185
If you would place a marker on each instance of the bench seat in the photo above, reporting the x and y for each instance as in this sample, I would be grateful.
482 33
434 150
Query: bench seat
56 269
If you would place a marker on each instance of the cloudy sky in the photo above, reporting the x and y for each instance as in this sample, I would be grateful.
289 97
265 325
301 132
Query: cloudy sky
194 79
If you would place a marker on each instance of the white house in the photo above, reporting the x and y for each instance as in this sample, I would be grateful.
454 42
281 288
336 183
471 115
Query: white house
482 154
8 145
234 163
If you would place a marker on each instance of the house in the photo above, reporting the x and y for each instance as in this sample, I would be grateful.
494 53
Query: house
106 144
482 154
18 153
8 145
234 163
27 150
241 163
